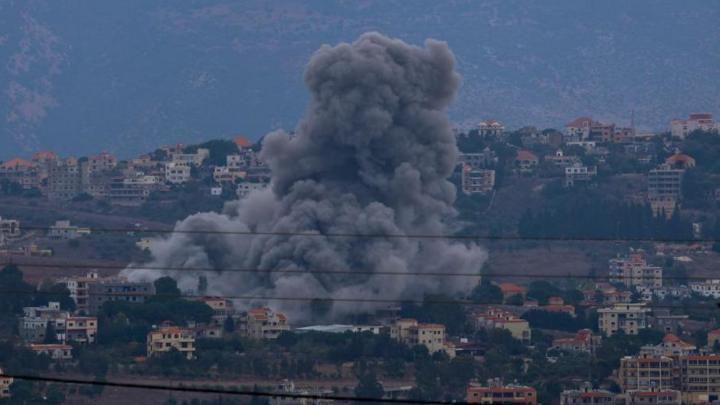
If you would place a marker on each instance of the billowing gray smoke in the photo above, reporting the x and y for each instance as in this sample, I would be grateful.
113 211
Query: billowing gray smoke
371 156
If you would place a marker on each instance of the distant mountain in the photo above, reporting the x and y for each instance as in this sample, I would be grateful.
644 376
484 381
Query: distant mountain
126 76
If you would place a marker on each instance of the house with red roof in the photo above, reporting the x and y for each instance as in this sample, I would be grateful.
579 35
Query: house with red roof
680 161
583 341
511 289
526 161
264 323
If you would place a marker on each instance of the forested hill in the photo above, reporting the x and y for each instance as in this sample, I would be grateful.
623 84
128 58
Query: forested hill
125 76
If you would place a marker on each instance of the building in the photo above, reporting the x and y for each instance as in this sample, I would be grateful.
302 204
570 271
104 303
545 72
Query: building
646 372
431 336
707 288
264 323
665 182
64 230
586 395
681 128
102 162
79 287
680 161
509 290
630 318
54 351
557 304
497 393
578 129
177 172
491 128
700 375
117 290
579 173
245 188
496 318
168 337
190 159
486 159
583 341
526 161
9 228
20 171
652 396
634 271
671 346
37 321
560 159
713 337
5 383
339 328
477 181
65 179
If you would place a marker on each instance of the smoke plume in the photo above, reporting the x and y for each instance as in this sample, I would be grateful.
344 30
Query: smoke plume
371 156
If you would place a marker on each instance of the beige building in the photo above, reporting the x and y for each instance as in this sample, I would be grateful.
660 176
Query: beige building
700 376
645 372
5 383
633 270
54 351
652 396
586 395
630 318
680 128
430 335
264 323
497 393
168 337
500 319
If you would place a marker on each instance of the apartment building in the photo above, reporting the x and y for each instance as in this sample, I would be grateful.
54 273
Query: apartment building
491 128
665 181
583 341
79 288
169 337
633 270
483 160
630 318
37 321
80 329
65 230
671 346
497 393
578 173
578 129
646 372
413 333
560 159
496 318
707 288
264 323
700 376
102 162
477 181
54 351
21 171
651 396
681 128
190 159
177 172
65 179
586 395
117 290
5 383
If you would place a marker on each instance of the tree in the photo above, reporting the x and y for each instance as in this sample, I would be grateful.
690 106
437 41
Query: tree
166 289
516 299
486 293
229 324
369 387
50 333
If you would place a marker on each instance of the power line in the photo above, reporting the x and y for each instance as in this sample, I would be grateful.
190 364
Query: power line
348 272
210 390
326 299
386 236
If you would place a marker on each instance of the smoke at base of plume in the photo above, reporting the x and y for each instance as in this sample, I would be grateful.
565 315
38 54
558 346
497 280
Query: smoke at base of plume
371 156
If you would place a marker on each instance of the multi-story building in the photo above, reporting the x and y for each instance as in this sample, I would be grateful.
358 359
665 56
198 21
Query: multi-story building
526 161
491 128
37 321
177 172
496 318
21 171
55 351
665 181
651 396
413 333
629 318
671 346
560 159
579 173
497 393
646 372
65 179
64 230
483 160
681 128
191 159
246 187
633 270
578 129
477 181
168 337
583 341
9 228
680 161
264 323
5 383
707 288
79 288
117 290
586 395
102 162
700 377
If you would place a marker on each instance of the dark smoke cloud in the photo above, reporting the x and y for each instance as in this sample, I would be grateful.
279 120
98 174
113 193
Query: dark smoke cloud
371 156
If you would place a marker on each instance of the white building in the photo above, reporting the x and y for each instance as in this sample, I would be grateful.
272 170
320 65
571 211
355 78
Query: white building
177 172
680 128
5 383
64 230
194 159
579 173
707 288
245 188
491 128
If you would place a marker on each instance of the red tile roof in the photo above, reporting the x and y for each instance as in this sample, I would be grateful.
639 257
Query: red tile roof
580 122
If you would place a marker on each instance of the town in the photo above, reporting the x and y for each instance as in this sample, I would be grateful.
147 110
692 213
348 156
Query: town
629 318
